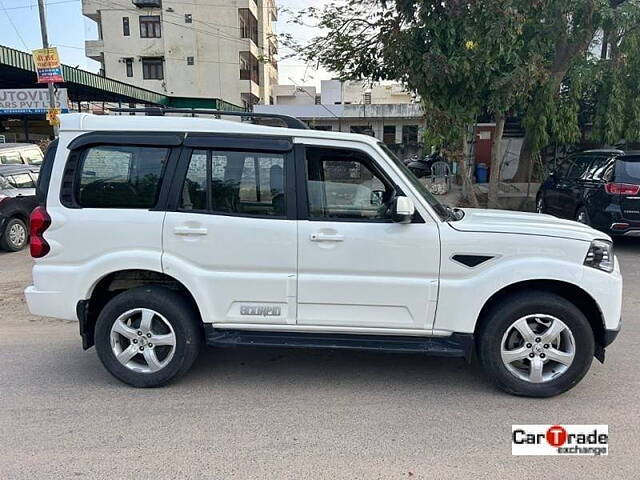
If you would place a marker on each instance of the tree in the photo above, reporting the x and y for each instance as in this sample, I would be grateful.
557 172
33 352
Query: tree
567 28
462 58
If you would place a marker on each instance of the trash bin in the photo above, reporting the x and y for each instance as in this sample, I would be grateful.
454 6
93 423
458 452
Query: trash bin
481 173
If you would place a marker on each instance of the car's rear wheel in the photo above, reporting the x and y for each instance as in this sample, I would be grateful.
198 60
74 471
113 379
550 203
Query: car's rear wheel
15 236
582 216
536 344
147 336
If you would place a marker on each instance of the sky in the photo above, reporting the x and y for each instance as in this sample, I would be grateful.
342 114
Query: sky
68 29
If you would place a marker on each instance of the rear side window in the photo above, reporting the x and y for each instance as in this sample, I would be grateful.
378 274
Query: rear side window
579 167
235 183
628 171
120 176
10 158
42 185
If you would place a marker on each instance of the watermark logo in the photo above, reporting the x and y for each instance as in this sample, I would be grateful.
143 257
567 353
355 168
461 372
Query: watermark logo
590 440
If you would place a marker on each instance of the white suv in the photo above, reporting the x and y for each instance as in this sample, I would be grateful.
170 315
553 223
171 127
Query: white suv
161 234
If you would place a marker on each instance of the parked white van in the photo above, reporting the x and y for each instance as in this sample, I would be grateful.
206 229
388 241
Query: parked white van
161 234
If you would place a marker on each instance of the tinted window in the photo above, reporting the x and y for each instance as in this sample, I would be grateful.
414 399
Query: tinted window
628 171
32 157
579 167
343 184
10 158
598 167
21 180
563 167
121 177
242 183
194 190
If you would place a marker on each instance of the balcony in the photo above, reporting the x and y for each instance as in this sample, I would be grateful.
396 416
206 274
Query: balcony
248 25
249 67
147 3
94 49
248 74
90 9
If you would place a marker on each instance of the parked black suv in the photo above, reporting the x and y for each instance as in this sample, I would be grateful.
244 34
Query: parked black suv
598 187
17 201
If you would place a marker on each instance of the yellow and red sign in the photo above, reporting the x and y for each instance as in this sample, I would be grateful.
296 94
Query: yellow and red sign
53 116
48 65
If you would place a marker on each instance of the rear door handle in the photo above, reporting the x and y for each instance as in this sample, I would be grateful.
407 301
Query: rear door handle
326 237
189 231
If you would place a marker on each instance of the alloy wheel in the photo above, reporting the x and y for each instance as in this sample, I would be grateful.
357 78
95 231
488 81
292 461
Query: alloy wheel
143 340
537 348
17 235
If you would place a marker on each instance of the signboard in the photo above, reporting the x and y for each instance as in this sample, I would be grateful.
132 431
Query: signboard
48 65
31 101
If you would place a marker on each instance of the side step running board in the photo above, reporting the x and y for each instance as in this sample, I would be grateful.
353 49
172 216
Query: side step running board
456 345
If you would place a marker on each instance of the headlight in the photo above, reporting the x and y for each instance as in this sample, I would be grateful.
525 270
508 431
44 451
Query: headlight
600 256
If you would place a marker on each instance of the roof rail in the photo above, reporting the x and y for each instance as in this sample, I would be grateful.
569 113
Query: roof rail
289 121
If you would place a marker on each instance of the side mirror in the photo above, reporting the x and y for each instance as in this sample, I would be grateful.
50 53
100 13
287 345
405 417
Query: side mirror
402 210
377 197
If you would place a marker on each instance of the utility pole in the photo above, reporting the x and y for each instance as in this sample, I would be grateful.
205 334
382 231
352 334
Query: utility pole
45 44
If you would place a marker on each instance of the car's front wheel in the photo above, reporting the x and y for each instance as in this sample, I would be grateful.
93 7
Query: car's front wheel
147 336
536 344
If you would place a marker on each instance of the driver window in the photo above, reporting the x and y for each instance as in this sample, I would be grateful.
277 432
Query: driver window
343 184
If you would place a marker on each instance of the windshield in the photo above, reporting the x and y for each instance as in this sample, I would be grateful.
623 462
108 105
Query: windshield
439 208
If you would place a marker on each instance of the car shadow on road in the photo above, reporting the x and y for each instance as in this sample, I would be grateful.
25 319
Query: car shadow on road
318 369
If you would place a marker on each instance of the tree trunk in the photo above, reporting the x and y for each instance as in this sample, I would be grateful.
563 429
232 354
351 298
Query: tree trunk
565 52
467 186
496 161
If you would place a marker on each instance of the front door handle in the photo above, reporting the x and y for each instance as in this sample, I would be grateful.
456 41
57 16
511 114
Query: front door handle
326 237
189 231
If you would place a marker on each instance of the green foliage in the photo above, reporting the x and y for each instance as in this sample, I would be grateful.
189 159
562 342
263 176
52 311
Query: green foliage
467 57
462 58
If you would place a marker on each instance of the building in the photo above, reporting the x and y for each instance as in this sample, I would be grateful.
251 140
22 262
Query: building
387 112
224 49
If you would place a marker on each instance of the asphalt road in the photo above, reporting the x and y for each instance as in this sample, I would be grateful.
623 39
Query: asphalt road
252 413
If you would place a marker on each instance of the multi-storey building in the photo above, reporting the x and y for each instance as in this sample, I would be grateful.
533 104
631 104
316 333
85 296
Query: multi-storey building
188 48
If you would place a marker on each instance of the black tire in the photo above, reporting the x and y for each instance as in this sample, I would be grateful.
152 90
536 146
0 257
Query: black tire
6 243
502 316
582 216
177 311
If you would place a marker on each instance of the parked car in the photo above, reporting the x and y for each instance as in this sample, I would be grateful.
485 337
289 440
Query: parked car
20 154
17 201
163 234
600 188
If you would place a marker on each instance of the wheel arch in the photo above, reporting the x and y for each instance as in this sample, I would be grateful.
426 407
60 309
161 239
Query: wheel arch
571 292
113 283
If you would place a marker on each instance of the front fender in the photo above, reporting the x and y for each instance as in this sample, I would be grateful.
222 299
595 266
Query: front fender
515 258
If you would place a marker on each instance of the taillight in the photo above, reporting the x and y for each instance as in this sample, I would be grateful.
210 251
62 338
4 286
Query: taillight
39 222
622 188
